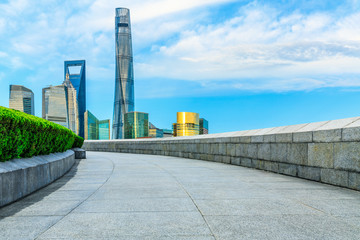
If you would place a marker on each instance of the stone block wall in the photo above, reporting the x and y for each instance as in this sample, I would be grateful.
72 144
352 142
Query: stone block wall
327 152
20 177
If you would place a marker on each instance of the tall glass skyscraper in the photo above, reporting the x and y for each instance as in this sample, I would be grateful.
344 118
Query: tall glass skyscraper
124 73
76 72
22 99
54 105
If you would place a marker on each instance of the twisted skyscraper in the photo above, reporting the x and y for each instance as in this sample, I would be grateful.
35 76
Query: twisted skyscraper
124 72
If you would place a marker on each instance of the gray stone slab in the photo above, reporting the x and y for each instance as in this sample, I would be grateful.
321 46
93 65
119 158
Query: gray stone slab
347 156
41 208
264 151
339 123
351 134
354 181
311 173
14 228
303 137
335 177
281 227
298 153
113 225
288 169
279 152
138 205
331 135
321 155
255 206
311 126
79 153
283 137
335 207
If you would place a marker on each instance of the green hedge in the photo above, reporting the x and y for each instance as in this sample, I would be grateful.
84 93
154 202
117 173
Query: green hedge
23 135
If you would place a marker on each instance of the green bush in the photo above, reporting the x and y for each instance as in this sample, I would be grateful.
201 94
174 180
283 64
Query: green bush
23 135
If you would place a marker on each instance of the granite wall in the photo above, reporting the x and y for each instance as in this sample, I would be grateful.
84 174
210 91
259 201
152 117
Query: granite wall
327 152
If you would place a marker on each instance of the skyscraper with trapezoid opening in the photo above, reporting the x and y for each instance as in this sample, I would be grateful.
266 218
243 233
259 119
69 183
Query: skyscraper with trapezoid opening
124 72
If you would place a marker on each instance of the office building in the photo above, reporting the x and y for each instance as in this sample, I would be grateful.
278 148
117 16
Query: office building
54 105
96 129
124 73
155 132
104 129
187 124
167 133
22 99
75 73
204 126
72 105
136 125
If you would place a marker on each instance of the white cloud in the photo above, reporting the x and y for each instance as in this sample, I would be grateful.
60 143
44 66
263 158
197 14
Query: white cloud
274 51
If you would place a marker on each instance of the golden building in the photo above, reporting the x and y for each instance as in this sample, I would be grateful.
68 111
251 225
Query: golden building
187 124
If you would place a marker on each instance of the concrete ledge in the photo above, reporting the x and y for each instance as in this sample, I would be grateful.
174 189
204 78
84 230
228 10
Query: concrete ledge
327 152
79 153
20 177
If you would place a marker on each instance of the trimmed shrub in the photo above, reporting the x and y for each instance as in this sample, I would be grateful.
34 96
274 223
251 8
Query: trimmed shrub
23 135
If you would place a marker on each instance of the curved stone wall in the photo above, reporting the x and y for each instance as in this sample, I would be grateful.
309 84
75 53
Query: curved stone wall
20 177
327 152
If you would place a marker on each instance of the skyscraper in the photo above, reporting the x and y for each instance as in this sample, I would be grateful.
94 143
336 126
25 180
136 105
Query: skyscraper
75 71
22 99
54 105
72 105
124 73
187 124
96 129
136 125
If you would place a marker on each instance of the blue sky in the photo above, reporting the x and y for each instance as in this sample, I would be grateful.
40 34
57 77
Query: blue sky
240 64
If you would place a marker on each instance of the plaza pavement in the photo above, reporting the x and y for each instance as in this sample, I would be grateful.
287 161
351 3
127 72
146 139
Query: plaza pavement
129 196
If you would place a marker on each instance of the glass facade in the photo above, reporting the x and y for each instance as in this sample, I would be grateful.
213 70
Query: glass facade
75 81
22 99
204 126
54 105
168 133
104 129
96 129
136 125
124 73
187 124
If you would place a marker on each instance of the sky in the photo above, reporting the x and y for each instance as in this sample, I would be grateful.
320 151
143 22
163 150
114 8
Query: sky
240 64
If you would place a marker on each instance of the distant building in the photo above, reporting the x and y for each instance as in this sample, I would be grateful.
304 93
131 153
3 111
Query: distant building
72 106
96 129
124 72
104 129
75 81
22 99
204 126
187 124
155 132
167 133
54 105
136 125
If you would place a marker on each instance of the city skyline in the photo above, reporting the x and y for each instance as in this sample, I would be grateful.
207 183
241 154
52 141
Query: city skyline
240 64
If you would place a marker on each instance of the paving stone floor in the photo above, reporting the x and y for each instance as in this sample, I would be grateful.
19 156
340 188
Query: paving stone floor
128 196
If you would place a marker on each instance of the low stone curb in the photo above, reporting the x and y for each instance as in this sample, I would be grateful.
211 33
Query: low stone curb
79 153
20 177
